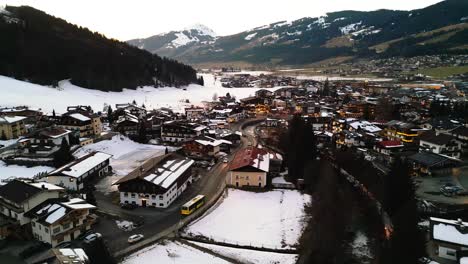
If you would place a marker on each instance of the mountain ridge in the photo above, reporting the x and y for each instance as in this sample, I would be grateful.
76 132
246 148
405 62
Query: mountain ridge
342 33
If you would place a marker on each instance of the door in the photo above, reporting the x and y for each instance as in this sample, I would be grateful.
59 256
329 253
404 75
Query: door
143 203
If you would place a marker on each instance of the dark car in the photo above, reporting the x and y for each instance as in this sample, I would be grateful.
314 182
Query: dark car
128 206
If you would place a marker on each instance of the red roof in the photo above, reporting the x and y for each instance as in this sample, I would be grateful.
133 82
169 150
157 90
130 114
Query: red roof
251 156
390 144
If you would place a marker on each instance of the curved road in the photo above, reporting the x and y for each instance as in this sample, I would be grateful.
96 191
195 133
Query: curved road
161 222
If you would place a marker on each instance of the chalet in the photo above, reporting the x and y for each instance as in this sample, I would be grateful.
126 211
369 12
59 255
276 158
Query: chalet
402 131
67 255
263 93
388 147
179 131
32 115
77 122
127 124
233 137
45 142
364 126
18 197
159 185
135 110
428 163
461 134
204 146
96 123
440 143
249 167
194 113
76 174
450 238
12 127
56 221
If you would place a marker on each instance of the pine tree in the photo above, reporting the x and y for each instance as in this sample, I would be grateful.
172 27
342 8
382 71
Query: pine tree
166 151
109 115
407 243
3 137
53 112
63 156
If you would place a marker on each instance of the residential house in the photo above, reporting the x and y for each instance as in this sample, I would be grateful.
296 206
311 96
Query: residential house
127 124
194 113
12 127
32 115
45 142
57 221
67 256
19 197
461 134
76 174
77 122
249 167
402 131
177 131
429 163
450 238
87 111
159 185
205 147
135 110
440 143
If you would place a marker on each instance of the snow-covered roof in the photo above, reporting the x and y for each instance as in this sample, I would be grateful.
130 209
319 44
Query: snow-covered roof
52 212
169 172
74 253
11 119
451 231
251 156
79 167
365 125
209 141
46 185
80 117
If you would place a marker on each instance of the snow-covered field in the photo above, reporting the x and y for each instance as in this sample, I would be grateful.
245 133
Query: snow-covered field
273 219
126 156
172 252
16 93
251 256
14 171
6 143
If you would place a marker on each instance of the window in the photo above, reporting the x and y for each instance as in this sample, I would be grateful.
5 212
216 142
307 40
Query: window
66 226
125 194
237 177
153 196
451 252
33 224
46 229
60 239
161 204
133 195
56 230
247 177
40 227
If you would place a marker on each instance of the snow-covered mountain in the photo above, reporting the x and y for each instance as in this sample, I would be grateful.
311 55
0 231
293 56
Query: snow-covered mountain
197 34
438 28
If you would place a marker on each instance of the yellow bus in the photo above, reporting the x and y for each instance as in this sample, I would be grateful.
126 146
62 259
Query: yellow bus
193 205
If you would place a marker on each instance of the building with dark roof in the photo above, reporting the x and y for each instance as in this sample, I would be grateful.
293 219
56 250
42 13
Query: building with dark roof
18 197
428 163
157 183
440 143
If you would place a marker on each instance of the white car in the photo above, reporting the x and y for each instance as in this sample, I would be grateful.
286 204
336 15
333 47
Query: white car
135 238
225 160
90 238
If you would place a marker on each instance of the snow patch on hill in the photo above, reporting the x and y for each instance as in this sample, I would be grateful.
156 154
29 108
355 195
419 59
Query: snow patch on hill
182 40
350 28
250 36
202 30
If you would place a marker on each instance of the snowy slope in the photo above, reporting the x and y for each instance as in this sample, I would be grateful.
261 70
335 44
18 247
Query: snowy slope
16 171
273 219
171 252
16 93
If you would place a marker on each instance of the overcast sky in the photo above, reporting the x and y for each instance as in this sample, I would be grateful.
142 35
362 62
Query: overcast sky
128 19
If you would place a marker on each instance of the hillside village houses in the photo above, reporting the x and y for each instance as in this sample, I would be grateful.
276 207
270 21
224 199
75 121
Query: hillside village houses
249 167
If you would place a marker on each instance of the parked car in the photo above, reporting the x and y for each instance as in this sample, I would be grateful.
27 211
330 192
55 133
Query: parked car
128 206
135 238
90 238
225 160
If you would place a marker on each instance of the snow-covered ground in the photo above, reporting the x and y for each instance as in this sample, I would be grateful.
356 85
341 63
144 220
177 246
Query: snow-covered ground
16 93
360 248
251 256
16 171
6 143
273 219
171 252
126 156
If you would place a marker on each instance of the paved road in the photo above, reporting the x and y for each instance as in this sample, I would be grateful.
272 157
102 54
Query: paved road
157 220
